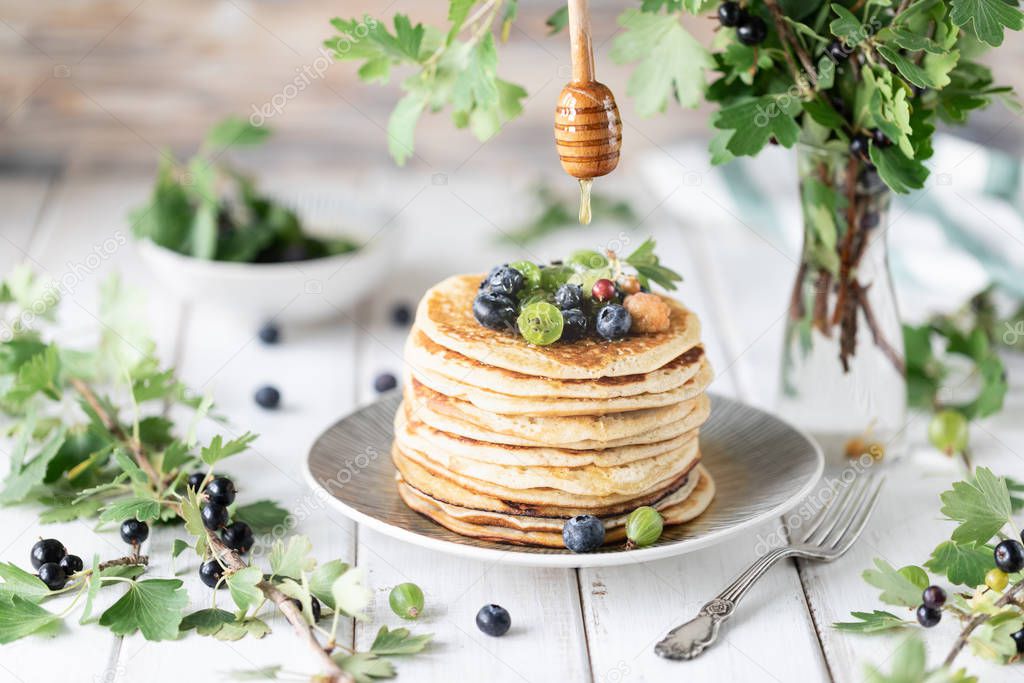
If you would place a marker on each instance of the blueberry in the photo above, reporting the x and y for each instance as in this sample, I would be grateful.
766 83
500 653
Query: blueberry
933 596
211 572
268 397
505 280
47 550
133 531
613 322
221 490
53 576
493 620
496 311
385 381
730 13
752 31
928 616
568 297
1009 556
837 51
71 564
583 533
575 325
485 284
270 333
214 516
195 480
1018 638
859 146
238 536
401 314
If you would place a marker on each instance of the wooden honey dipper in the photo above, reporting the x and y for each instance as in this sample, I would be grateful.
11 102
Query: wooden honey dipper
588 130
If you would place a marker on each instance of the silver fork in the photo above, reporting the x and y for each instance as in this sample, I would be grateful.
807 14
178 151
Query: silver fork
829 535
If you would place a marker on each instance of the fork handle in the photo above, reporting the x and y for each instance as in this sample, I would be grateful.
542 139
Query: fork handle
692 638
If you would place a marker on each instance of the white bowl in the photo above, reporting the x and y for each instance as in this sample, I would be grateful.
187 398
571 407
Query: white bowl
294 292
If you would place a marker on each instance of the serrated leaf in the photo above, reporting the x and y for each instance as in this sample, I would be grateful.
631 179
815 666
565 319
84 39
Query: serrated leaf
20 617
234 132
981 505
262 515
896 588
193 518
365 667
153 607
206 622
986 19
399 642
242 586
217 450
142 509
20 483
846 26
961 563
755 121
17 581
901 173
178 547
92 591
875 621
350 594
323 577
293 559
40 373
993 640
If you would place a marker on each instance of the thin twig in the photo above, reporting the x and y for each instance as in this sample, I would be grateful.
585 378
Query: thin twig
894 356
129 561
980 619
784 32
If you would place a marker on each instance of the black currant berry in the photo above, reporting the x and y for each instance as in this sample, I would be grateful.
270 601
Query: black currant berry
1009 556
928 616
267 397
214 516
878 137
933 596
859 147
385 381
752 31
221 491
195 480
53 576
730 13
401 315
238 536
47 550
210 573
314 606
270 333
837 51
134 532
71 564
1018 638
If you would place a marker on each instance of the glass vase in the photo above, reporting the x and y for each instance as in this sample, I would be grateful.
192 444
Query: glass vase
843 374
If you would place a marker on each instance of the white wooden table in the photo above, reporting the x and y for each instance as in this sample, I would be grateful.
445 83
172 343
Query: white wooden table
589 625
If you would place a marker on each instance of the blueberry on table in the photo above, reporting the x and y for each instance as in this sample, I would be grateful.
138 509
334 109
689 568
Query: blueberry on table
613 322
495 311
928 616
238 536
568 297
933 596
214 516
47 550
730 14
401 314
133 531
210 573
53 576
270 333
575 324
583 533
505 280
268 397
221 490
195 480
752 31
385 381
1009 556
71 564
494 620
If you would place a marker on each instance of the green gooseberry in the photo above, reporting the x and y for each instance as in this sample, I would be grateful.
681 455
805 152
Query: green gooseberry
406 600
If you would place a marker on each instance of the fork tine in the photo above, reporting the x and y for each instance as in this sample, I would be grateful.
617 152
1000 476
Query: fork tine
860 520
827 519
853 508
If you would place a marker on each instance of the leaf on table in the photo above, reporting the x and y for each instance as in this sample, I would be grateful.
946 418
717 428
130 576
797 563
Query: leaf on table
262 516
242 585
399 641
908 664
68 511
178 547
17 581
981 505
217 450
264 673
92 591
323 577
350 594
153 607
19 483
875 621
293 559
365 667
20 617
671 62
248 626
206 622
142 509
896 587
962 563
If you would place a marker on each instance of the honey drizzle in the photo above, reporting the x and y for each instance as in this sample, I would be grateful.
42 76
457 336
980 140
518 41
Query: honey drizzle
585 184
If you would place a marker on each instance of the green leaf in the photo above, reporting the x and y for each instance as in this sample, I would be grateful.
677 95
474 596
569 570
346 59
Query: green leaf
293 559
95 583
206 622
846 26
671 61
754 121
992 640
19 582
402 127
125 462
193 518
20 483
872 622
142 509
908 665
901 173
323 578
235 132
986 19
649 269
262 516
153 607
962 563
243 587
558 20
20 617
265 673
350 594
178 547
218 450
365 667
40 374
896 588
981 505
935 73
398 642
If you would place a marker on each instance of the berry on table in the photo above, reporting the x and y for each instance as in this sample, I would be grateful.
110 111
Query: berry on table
1009 556
133 531
47 550
210 573
933 596
494 620
568 297
505 280
270 333
238 536
996 579
53 576
71 564
583 533
730 13
859 146
928 616
575 324
267 397
495 311
603 290
406 600
752 31
195 480
221 490
214 516
401 314
385 381
613 322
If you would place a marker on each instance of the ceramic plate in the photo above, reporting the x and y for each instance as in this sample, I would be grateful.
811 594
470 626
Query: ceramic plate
762 467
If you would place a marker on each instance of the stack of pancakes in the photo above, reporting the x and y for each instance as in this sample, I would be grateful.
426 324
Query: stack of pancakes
503 440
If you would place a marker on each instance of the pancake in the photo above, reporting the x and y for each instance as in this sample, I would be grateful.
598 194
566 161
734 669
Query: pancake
463 428
427 357
458 489
553 430
495 402
425 438
633 478
445 316
689 501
